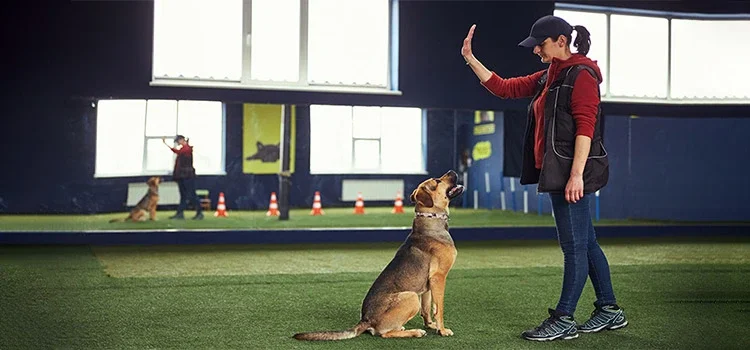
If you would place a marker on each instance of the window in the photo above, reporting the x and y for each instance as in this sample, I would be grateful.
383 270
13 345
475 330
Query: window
638 56
696 71
596 23
359 26
129 136
366 139
275 44
274 54
662 57
198 39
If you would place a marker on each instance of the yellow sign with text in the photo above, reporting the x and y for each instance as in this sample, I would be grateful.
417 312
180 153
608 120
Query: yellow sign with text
261 139
482 150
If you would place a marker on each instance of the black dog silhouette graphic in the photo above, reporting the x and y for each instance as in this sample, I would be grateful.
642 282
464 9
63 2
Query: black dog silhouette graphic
266 153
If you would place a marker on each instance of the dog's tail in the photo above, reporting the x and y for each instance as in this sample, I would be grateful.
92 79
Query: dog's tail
334 335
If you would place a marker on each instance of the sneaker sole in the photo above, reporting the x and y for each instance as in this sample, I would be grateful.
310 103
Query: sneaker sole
566 337
618 326
610 328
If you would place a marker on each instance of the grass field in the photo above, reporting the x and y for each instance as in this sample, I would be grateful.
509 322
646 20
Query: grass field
678 294
298 218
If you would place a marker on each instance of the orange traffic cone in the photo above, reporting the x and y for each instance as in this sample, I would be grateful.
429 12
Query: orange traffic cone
359 206
221 208
273 207
317 208
398 205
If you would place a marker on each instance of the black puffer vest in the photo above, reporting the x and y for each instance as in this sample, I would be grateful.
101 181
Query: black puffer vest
183 167
559 140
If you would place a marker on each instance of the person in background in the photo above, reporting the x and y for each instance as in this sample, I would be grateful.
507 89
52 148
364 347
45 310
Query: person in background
184 175
564 154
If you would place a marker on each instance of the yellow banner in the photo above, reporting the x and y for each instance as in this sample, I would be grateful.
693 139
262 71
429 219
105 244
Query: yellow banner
261 139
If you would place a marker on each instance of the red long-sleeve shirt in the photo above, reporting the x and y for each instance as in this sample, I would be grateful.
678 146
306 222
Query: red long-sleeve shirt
184 150
584 101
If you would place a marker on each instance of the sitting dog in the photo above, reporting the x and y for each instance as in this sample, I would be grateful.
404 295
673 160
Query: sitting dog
414 280
147 204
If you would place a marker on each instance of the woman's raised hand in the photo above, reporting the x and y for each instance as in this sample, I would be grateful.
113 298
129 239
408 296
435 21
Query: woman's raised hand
466 48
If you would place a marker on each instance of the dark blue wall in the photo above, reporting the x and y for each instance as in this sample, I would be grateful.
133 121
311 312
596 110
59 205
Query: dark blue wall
60 55
685 169
678 169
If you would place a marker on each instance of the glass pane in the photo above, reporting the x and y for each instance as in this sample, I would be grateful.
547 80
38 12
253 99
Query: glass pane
119 137
330 139
274 53
202 123
633 72
596 23
366 122
161 118
695 71
348 42
198 39
401 145
158 156
367 154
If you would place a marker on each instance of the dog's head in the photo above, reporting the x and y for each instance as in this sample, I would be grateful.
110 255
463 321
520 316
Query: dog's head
434 195
154 181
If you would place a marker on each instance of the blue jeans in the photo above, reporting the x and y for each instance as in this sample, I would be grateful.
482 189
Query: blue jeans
187 193
582 255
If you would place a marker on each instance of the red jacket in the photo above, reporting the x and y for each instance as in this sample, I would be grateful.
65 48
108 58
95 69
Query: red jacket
584 100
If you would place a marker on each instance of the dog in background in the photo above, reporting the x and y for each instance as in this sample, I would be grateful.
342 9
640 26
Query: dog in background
414 280
266 153
147 204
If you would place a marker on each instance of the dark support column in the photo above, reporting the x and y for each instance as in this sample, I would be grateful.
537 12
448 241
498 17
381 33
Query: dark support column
284 175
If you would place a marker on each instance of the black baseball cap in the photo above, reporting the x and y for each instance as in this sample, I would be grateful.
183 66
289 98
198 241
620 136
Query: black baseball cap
178 137
546 27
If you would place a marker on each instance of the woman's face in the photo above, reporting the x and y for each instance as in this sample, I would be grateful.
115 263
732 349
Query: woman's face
549 48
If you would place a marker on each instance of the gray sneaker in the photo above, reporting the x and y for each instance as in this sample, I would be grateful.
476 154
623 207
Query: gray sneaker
555 327
609 317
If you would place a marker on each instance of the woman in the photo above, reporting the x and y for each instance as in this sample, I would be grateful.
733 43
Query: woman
564 155
184 175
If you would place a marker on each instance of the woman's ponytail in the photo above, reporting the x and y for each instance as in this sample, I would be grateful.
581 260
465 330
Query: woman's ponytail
583 40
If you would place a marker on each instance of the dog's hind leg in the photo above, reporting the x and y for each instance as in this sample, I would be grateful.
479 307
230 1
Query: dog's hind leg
426 311
403 308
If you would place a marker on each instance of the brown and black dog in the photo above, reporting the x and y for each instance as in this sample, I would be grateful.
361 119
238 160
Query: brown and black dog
147 204
414 281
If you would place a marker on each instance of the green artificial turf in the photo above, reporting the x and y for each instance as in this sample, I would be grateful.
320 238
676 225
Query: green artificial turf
298 218
678 294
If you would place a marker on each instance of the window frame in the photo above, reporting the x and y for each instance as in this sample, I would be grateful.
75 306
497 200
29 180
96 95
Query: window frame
144 161
246 82
669 16
353 170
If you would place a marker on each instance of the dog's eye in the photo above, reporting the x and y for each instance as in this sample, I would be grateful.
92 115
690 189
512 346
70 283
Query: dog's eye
437 180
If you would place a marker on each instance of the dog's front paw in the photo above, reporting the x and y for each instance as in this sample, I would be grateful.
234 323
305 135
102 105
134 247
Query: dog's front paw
445 332
431 325
421 333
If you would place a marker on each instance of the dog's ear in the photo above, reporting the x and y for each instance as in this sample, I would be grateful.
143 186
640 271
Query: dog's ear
422 198
260 145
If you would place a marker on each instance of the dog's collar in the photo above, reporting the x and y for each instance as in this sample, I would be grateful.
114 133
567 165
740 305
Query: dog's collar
433 215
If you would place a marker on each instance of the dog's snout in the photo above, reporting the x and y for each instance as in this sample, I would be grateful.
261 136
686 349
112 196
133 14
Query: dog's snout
451 175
